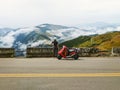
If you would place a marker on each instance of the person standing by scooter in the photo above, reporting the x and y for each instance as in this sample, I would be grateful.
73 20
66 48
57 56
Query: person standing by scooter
55 47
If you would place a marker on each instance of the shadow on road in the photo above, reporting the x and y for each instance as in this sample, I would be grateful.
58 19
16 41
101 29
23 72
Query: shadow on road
71 59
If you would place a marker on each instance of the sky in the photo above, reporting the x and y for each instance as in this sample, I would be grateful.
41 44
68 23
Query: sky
25 13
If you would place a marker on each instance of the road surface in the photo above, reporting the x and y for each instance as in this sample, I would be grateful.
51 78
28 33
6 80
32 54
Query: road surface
87 73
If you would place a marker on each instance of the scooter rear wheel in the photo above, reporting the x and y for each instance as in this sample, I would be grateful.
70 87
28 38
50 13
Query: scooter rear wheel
76 57
59 57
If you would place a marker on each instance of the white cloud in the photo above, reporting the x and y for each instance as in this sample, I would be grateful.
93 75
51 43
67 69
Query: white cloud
37 43
8 40
32 12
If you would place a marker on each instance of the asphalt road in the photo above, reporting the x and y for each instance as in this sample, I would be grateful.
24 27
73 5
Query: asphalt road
48 66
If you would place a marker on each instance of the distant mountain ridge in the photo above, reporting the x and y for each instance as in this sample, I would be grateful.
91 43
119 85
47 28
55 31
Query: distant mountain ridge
44 34
35 36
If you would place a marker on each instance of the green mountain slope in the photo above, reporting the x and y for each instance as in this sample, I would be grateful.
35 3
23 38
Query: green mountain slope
76 42
104 41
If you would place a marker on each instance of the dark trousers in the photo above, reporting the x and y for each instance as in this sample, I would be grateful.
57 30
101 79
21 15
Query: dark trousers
55 52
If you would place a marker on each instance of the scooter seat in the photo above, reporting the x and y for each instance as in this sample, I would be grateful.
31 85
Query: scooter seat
71 50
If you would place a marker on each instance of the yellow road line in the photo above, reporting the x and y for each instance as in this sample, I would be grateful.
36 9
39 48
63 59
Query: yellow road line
61 75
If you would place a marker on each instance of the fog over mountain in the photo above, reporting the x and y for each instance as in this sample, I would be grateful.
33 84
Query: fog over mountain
44 34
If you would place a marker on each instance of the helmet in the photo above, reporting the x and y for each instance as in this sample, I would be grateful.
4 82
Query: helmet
64 46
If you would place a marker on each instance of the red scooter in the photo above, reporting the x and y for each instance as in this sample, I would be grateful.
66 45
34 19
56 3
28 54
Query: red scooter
68 53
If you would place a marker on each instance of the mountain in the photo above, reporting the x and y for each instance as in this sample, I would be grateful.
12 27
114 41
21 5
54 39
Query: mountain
99 27
42 35
108 40
76 42
4 31
103 41
36 36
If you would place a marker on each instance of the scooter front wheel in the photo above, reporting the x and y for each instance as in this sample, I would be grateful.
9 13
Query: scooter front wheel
59 57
